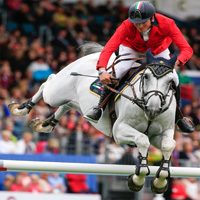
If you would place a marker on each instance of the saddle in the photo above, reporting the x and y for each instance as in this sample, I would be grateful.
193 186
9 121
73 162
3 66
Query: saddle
96 87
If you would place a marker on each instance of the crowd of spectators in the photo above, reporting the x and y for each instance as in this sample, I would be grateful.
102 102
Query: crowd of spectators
38 38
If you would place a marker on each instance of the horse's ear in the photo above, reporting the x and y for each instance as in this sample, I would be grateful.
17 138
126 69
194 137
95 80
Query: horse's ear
173 60
149 56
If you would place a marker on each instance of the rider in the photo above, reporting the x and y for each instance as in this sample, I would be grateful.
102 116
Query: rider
144 29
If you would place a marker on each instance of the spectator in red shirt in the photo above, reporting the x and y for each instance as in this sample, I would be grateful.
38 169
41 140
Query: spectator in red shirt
17 185
144 29
34 186
178 190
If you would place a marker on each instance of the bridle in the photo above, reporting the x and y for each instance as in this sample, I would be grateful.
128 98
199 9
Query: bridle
141 102
150 93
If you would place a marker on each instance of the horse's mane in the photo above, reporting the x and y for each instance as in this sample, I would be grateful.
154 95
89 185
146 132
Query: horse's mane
89 48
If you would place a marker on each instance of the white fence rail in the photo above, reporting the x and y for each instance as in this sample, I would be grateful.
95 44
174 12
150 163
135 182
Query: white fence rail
83 168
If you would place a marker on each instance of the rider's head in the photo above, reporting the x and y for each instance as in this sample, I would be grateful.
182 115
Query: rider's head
141 12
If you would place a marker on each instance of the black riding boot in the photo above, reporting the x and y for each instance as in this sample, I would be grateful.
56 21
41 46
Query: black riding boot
95 114
183 123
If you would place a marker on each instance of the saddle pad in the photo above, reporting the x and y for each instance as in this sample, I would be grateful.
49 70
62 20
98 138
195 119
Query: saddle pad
96 87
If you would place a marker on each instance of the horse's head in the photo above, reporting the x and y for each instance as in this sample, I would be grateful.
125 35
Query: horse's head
156 82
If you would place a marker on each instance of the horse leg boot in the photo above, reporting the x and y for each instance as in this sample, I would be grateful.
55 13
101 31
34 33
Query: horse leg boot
183 123
95 114
21 109
136 181
55 117
49 124
160 183
167 144
24 108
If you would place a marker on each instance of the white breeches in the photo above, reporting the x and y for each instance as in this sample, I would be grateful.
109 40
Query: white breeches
122 67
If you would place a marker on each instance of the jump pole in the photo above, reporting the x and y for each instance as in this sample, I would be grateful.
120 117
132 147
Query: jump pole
86 168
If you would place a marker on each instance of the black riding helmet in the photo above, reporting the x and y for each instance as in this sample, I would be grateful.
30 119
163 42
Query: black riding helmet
141 11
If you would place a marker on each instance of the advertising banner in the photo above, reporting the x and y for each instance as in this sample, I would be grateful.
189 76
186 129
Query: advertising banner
36 196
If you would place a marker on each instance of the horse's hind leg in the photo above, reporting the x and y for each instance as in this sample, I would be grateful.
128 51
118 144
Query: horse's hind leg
48 125
24 108
167 144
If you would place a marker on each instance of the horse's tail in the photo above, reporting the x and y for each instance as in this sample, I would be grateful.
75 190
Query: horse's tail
89 48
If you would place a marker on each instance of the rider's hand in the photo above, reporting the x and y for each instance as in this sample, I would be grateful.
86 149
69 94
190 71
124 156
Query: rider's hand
178 64
105 77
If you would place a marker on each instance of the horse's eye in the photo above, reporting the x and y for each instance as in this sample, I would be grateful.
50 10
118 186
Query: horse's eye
146 76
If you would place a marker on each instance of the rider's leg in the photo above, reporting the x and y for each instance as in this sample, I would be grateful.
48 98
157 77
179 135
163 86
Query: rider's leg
183 123
95 114
120 69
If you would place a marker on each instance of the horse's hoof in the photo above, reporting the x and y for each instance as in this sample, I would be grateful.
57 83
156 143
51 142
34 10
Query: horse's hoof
14 109
158 190
132 186
37 126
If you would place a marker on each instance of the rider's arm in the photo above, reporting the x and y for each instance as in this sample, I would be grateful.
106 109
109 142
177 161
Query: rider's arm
101 70
179 40
112 45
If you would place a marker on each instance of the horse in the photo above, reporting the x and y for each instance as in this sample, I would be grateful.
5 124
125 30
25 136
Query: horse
145 110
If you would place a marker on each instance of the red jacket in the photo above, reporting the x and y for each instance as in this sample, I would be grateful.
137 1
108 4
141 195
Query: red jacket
163 32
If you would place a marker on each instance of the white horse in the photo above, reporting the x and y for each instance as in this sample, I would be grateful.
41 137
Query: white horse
146 116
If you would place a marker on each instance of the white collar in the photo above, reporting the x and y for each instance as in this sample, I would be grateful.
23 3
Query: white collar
145 34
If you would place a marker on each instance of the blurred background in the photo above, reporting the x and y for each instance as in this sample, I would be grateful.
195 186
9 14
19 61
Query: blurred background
40 37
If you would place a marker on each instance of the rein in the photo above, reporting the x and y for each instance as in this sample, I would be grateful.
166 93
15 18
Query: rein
117 60
112 66
141 102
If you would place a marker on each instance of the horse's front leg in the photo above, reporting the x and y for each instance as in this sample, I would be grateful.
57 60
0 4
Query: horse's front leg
125 134
167 144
